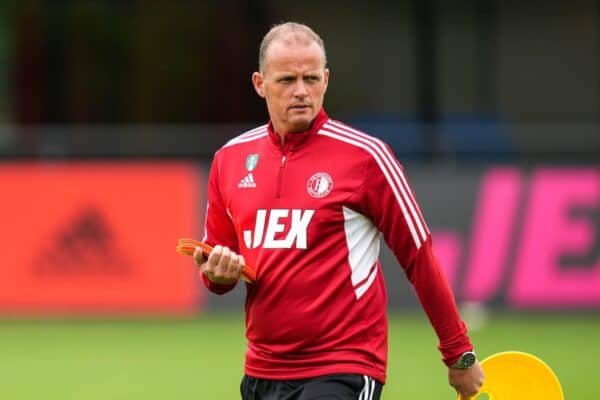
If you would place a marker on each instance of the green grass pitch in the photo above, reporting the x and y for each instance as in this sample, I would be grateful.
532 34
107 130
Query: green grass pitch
202 358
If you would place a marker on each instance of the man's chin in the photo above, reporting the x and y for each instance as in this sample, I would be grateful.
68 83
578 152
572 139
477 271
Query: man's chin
300 123
299 127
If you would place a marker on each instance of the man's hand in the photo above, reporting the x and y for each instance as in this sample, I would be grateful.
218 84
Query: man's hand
466 381
222 266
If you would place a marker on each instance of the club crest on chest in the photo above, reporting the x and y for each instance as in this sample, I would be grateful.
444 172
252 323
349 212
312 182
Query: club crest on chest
319 185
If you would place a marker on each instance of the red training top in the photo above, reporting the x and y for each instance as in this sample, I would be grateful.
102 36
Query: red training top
308 217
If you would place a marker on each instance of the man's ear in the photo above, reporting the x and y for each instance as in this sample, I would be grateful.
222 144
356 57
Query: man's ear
326 78
257 81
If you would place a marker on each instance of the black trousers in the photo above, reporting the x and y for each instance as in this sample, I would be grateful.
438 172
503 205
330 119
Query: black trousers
326 387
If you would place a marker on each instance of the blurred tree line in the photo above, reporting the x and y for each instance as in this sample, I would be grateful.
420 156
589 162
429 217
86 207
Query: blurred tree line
132 61
187 61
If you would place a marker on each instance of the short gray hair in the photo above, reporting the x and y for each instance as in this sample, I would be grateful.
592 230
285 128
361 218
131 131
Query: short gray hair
287 32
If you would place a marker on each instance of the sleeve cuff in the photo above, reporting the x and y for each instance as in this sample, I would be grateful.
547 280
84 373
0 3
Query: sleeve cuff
215 287
454 347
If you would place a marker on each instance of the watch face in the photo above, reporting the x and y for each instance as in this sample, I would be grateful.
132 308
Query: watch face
468 359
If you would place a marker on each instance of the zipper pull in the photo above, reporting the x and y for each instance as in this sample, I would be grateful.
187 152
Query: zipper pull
280 175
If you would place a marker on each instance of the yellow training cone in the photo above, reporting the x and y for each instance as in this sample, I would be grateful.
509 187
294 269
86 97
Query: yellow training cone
513 375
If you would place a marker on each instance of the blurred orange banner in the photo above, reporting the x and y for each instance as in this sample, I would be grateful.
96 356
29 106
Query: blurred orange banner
97 237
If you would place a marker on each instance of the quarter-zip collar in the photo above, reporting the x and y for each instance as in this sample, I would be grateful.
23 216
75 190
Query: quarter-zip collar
294 140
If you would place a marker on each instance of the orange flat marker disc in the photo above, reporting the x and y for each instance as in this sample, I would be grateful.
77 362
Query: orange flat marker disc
187 247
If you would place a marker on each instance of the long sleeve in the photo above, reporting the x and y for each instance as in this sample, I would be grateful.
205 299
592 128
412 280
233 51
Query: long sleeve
218 227
391 204
435 295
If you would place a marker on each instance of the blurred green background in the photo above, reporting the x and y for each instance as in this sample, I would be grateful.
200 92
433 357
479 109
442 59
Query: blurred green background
457 89
203 358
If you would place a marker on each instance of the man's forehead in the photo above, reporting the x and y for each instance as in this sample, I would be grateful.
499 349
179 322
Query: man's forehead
290 53
293 38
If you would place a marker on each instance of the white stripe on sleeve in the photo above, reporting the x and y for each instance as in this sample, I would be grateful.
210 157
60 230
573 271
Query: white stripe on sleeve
390 162
393 185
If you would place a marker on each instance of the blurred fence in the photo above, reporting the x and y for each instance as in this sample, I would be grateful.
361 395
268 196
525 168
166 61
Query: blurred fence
460 139
81 233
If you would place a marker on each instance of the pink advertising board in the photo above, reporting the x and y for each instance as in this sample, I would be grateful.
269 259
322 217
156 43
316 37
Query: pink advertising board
534 240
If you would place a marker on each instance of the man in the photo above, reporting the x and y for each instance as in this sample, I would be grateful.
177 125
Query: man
304 200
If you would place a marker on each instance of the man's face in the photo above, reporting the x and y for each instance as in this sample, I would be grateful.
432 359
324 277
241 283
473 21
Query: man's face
293 82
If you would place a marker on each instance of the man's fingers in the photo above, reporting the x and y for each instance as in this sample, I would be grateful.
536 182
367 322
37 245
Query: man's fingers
214 256
234 267
223 264
467 394
199 257
467 382
239 266
467 390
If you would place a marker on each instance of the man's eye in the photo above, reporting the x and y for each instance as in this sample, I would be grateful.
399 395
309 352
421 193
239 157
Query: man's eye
287 79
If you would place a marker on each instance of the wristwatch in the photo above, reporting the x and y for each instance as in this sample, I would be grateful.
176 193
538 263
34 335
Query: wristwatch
465 361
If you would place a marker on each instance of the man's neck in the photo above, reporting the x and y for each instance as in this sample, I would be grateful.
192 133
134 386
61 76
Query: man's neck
281 138
282 132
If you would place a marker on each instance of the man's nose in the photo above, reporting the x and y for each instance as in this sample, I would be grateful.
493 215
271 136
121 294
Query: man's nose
300 89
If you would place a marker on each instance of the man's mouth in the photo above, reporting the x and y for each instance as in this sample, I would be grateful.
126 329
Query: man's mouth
300 107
